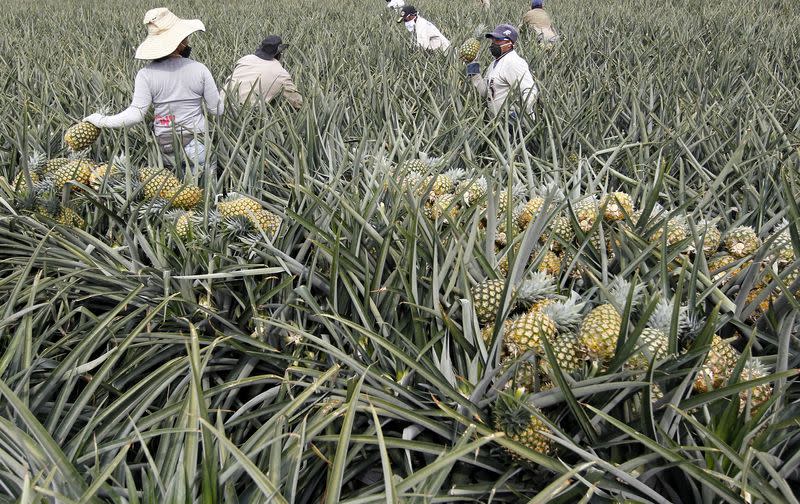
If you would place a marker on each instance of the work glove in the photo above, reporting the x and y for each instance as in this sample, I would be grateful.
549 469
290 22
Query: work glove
94 119
473 68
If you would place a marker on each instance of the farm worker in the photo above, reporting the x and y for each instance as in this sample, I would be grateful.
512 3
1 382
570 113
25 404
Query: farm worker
426 35
538 20
484 3
260 76
507 72
174 84
395 4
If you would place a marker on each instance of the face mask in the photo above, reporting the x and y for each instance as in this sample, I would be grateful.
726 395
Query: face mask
186 52
410 25
496 50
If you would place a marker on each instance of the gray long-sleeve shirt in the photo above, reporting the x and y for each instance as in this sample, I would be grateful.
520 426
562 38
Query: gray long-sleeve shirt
175 87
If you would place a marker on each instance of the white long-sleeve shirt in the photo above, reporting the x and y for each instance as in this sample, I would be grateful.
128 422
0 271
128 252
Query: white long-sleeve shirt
175 87
501 77
428 36
395 4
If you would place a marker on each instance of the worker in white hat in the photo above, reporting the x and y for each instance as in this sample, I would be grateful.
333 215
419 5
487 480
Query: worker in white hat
173 84
538 21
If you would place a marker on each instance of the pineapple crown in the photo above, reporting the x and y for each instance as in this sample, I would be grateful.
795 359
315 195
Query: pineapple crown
536 286
753 369
742 232
553 190
455 174
428 160
36 161
479 31
155 206
619 289
122 162
566 314
511 411
661 318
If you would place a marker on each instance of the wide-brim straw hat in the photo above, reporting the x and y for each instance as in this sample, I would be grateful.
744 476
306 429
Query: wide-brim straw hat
537 18
165 31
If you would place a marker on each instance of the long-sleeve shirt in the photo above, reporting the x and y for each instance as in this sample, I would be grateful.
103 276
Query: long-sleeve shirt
539 21
261 79
428 36
395 4
503 75
175 87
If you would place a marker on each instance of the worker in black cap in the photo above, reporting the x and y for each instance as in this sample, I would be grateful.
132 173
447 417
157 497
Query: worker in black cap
261 77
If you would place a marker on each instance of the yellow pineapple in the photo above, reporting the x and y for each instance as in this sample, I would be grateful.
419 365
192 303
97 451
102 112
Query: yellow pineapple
79 170
20 184
562 232
742 241
586 212
80 136
758 395
520 421
266 221
569 353
241 206
712 239
487 296
100 173
183 226
54 164
185 197
474 190
543 320
677 231
157 182
529 211
617 205
718 365
600 328
69 217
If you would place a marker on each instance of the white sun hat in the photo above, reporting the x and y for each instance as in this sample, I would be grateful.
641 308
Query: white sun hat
165 31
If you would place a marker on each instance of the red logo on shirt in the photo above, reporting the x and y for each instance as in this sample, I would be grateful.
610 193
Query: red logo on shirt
165 120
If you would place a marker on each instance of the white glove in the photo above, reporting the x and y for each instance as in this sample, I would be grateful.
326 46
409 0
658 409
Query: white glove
94 119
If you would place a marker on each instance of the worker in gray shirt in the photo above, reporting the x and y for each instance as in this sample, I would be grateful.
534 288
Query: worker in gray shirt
261 77
173 84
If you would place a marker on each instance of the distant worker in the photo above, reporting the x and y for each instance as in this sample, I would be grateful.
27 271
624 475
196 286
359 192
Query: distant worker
395 4
261 77
426 35
484 3
173 84
507 72
538 20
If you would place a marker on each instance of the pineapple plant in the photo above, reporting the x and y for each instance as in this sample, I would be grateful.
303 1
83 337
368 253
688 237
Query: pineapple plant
79 170
69 217
101 173
442 207
528 212
677 231
474 190
587 212
712 238
183 225
717 366
487 296
445 183
616 206
520 421
81 135
562 232
654 339
720 267
742 241
600 328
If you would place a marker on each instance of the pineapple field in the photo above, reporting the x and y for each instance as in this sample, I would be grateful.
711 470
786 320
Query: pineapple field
389 295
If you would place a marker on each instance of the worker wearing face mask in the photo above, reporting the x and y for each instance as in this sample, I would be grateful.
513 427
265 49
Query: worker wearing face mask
507 72
425 34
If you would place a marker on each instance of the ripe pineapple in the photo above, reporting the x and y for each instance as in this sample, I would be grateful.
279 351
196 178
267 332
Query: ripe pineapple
562 232
545 321
521 423
185 197
183 226
717 367
413 166
468 51
266 221
446 182
506 201
742 241
79 170
600 328
784 253
528 212
157 182
677 231
570 354
238 206
550 264
487 296
20 185
473 190
441 207
54 164
617 205
100 173
713 237
753 370
80 136
654 340
69 217
586 212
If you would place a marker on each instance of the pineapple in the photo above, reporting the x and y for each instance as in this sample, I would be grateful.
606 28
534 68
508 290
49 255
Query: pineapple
266 221
562 232
79 170
616 205
550 264
503 200
185 197
601 326
529 211
410 166
474 190
183 226
720 267
157 182
586 212
521 423
445 183
569 354
742 241
80 136
545 321
69 217
718 365
441 207
758 395
468 51
54 164
487 296
100 173
239 206
677 231
654 340
21 185
783 247
712 239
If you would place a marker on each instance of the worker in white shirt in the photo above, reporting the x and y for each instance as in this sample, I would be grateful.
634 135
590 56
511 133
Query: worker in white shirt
538 21
507 72
395 4
426 35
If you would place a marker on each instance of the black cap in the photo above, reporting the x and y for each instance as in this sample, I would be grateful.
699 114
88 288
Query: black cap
406 11
270 47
